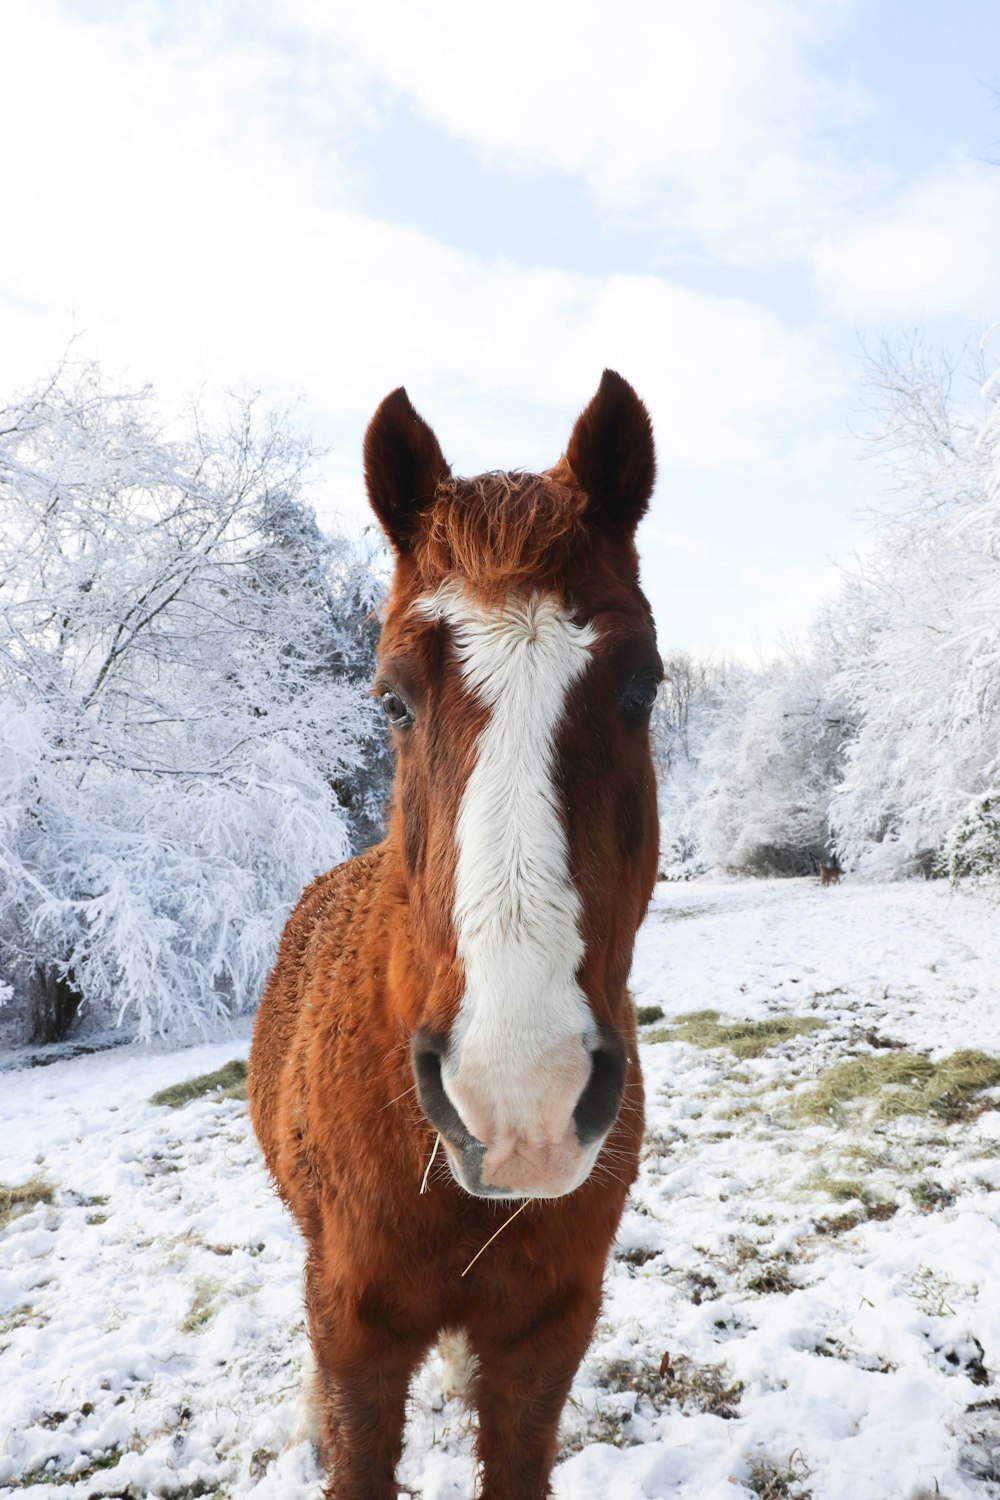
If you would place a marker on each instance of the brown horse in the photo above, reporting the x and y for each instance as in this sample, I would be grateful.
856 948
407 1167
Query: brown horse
463 984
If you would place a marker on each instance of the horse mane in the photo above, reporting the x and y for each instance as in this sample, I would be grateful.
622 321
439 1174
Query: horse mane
501 530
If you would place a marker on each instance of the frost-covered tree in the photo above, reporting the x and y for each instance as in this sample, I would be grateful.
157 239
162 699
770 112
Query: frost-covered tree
770 764
917 629
690 700
746 761
182 720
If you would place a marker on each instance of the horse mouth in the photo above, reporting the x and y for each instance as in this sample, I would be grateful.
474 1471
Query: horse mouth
515 1168
526 1177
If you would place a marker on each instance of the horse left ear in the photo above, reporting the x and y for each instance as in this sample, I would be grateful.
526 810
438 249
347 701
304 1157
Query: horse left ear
403 466
611 454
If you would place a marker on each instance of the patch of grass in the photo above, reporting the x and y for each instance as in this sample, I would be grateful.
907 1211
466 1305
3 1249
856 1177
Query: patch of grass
929 1196
637 1257
707 1388
704 1288
647 1014
904 1083
623 1375
934 1292
18 1200
228 1082
779 1479
609 1427
841 1223
657 1144
260 1461
202 1307
772 1279
21 1316
842 1189
678 1382
703 1028
109 1459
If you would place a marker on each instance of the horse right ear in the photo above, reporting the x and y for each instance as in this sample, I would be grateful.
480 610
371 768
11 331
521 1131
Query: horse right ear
403 467
611 454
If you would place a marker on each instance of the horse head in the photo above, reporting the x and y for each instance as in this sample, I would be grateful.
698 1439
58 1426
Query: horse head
517 671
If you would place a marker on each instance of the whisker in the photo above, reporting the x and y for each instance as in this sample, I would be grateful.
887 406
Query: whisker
411 1090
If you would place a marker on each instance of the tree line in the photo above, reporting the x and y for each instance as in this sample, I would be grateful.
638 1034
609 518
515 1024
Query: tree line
878 739
186 736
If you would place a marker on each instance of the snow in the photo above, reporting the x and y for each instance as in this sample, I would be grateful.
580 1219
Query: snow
151 1330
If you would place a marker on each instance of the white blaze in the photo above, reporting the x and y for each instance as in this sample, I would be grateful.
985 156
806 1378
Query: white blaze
518 1040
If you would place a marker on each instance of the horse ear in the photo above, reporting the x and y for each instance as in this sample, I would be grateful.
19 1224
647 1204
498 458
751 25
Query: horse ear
403 466
611 453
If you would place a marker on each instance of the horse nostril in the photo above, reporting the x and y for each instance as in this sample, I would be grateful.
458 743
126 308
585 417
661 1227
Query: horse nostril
597 1107
426 1052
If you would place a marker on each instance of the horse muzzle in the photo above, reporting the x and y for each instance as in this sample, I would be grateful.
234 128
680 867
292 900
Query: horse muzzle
546 1153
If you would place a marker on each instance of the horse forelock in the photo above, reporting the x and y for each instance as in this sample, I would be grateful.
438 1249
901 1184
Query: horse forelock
501 531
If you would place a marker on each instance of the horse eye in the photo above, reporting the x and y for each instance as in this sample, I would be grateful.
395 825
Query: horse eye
394 708
639 696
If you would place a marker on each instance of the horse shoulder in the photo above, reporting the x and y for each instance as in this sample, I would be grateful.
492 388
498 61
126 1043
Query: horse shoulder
311 988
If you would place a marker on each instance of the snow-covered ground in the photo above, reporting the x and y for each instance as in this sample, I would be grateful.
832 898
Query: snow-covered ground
822 1296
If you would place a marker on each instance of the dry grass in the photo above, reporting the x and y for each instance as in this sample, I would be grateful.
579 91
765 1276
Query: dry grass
692 1387
773 1479
703 1028
18 1200
842 1189
202 1306
707 1388
904 1083
229 1082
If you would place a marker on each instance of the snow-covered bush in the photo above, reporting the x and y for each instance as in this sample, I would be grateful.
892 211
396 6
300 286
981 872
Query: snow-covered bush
183 720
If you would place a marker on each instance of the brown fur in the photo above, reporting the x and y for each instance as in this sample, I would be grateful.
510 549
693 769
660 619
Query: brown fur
500 532
369 956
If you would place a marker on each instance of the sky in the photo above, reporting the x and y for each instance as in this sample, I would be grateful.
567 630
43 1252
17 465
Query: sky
322 200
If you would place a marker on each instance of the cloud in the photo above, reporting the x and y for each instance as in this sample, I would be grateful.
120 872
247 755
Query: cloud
711 116
932 252
160 210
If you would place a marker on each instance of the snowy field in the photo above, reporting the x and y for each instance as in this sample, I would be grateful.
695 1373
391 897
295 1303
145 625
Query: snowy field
801 1302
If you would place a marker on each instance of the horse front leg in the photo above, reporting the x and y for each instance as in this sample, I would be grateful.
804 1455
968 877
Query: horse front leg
363 1371
520 1389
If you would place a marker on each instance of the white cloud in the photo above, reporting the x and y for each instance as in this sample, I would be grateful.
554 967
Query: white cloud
710 116
156 209
933 252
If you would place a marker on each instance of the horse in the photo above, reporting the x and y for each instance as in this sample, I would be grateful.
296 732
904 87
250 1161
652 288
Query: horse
830 870
444 1076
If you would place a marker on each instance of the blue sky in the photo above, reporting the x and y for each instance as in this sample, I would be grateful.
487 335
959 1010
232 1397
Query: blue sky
490 204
